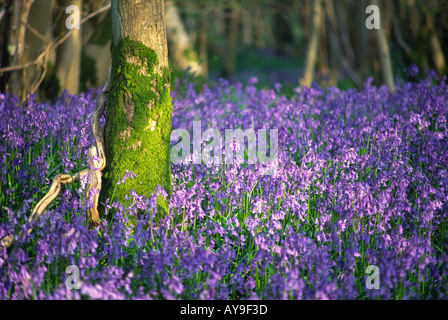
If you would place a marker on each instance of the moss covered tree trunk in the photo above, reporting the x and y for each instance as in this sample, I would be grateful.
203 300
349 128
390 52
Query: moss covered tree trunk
138 117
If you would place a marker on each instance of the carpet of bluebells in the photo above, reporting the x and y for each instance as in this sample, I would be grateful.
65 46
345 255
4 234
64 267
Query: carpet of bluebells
361 179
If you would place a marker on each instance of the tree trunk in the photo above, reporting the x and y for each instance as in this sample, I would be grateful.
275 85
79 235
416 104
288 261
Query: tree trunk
259 32
313 43
10 57
383 48
398 35
203 41
231 24
307 15
138 119
16 12
247 28
336 49
40 21
434 43
323 51
362 38
181 47
414 19
68 59
101 55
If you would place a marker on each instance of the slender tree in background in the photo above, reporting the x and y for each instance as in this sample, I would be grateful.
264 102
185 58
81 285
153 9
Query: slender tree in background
203 40
415 31
138 117
68 64
10 53
383 48
37 37
313 44
231 19
182 50
398 34
434 42
14 38
96 44
362 38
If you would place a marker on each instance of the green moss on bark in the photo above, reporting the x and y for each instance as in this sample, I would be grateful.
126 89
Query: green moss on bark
138 125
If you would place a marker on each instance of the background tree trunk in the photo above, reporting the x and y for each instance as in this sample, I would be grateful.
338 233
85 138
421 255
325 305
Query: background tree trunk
313 44
96 41
101 55
10 80
68 59
336 49
362 38
323 51
231 26
181 48
383 48
259 32
203 41
397 33
247 27
16 18
437 54
138 118
40 22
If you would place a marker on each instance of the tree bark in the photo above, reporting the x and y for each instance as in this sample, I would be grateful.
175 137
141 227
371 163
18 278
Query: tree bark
181 48
138 118
383 48
313 44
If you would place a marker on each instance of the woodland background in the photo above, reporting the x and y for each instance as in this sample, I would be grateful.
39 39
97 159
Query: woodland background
285 41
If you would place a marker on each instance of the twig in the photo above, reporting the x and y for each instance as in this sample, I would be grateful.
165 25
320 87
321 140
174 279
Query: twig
35 32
